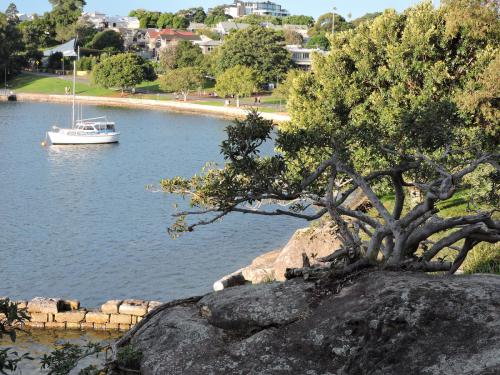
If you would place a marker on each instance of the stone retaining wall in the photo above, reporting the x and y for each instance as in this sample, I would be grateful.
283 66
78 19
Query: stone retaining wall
54 313
190 107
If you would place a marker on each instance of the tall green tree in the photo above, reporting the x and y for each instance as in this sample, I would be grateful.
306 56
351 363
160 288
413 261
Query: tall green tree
238 81
182 55
384 111
319 41
11 11
324 24
165 20
65 14
258 48
108 40
11 43
122 71
38 33
147 19
182 80
197 14
216 15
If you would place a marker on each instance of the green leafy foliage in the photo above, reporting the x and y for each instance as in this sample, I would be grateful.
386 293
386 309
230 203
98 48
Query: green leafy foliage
239 81
389 106
324 24
129 357
10 41
368 17
109 40
216 15
395 82
11 318
122 71
284 89
182 80
55 60
64 15
319 41
87 63
298 20
67 356
146 18
182 55
258 48
255 19
293 37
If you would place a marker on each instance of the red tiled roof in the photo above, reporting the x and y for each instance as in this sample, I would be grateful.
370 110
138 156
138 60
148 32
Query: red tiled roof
154 33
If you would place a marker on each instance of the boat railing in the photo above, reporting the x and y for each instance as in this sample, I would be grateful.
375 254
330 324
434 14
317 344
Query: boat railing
93 119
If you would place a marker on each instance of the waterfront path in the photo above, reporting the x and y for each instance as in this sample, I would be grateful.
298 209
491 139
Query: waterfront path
227 112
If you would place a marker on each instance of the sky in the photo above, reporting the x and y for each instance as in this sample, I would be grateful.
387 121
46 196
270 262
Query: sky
313 8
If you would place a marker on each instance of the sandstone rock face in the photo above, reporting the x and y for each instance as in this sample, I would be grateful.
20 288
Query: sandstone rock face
383 323
44 305
134 307
71 316
111 307
315 242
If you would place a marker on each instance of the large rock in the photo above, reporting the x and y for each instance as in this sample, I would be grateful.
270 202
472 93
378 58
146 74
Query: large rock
382 324
45 305
315 242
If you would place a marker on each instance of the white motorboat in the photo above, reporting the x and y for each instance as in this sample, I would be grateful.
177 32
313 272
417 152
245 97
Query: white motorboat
88 131
84 131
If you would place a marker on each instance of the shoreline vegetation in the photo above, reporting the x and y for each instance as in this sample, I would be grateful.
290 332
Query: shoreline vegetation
50 88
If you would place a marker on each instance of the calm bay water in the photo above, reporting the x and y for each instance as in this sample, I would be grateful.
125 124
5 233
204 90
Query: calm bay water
78 221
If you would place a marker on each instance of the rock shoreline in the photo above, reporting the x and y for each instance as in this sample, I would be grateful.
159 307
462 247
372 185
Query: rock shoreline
379 323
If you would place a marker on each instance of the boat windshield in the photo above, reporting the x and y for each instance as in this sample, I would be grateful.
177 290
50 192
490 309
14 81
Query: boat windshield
110 127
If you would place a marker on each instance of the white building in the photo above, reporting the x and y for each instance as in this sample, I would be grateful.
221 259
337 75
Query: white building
260 8
102 21
302 57
25 17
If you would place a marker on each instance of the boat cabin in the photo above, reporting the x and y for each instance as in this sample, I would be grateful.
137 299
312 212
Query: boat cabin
100 127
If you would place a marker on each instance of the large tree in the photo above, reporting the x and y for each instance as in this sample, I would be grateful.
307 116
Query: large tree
238 81
258 48
183 54
182 80
65 14
386 111
11 43
108 40
122 71
216 15
324 24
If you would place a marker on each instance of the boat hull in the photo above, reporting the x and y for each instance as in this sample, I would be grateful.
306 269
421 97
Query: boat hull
60 138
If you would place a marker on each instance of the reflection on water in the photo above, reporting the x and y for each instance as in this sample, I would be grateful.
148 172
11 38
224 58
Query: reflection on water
77 221
40 342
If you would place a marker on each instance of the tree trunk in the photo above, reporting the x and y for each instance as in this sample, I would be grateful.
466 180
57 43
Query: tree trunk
185 96
237 101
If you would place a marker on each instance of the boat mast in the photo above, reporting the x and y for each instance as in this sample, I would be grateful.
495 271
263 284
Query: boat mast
74 85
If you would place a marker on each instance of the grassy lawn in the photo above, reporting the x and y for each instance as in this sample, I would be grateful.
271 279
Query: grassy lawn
31 83
153 86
